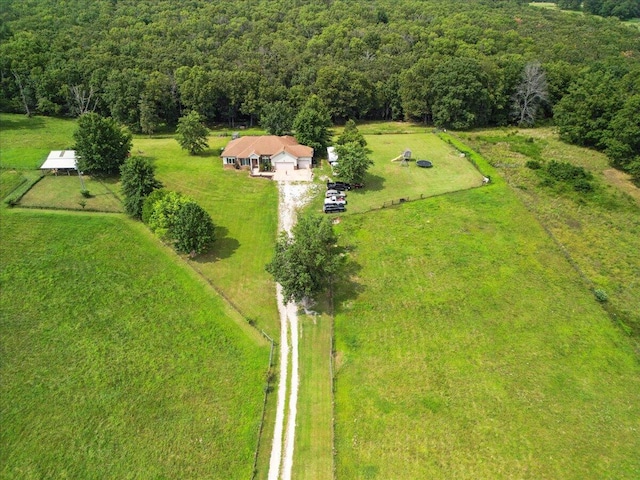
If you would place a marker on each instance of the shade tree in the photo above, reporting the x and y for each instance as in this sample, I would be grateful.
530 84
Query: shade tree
101 144
306 262
137 179
192 133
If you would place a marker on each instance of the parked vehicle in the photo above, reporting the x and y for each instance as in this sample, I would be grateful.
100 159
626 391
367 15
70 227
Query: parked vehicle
334 208
335 199
338 186
333 193
357 185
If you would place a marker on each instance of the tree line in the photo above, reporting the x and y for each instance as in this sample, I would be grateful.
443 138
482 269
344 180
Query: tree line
453 63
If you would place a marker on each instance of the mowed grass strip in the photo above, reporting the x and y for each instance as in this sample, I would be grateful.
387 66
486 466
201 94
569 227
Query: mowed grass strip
468 347
245 212
116 361
388 181
313 454
26 142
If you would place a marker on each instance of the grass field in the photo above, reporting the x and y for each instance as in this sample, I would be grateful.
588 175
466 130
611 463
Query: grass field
63 192
26 142
314 436
601 230
245 212
468 347
117 361
388 182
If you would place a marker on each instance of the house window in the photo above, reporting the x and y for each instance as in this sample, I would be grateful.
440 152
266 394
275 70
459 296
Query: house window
229 161
245 161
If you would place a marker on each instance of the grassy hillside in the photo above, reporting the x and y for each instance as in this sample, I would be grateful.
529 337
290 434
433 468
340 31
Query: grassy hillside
468 347
26 142
245 212
600 230
118 362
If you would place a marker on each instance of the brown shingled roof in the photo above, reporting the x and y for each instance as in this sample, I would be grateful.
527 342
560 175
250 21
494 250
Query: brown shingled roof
244 147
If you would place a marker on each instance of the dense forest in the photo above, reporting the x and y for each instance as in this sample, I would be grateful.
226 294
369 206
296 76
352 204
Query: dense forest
454 63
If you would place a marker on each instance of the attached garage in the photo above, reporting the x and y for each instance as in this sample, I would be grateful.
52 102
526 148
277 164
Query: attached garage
304 163
284 166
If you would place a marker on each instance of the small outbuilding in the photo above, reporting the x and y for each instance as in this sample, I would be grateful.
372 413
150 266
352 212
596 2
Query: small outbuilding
60 160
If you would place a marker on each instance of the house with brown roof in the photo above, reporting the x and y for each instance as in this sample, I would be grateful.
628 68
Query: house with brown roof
266 153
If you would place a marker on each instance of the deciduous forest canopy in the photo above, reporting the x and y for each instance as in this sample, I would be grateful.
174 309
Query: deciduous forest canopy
454 63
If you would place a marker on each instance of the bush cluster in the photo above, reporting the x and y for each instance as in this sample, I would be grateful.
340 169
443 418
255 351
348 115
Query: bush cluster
556 172
178 219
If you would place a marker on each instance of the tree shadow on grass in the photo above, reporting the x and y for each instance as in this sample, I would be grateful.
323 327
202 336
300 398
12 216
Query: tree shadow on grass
347 287
223 247
373 182
23 123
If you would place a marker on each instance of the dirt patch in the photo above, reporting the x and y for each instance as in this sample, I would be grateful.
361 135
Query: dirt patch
622 181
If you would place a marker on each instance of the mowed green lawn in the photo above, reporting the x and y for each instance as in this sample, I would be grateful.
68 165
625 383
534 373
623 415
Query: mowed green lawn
468 348
63 192
118 361
245 212
26 142
388 181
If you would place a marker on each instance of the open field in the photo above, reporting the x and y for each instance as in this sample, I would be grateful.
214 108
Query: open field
26 142
600 230
118 362
466 335
469 348
63 192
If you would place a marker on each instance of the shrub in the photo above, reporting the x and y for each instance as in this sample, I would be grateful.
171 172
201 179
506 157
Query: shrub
192 229
149 204
85 193
566 172
533 165
601 295
583 186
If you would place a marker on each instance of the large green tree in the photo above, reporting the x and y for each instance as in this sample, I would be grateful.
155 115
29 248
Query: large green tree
305 263
193 229
137 178
192 134
312 125
353 162
460 95
351 134
277 118
101 144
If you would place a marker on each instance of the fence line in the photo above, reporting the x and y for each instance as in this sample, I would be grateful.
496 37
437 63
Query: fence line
269 375
332 373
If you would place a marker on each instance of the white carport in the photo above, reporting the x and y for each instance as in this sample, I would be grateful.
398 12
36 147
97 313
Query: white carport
60 160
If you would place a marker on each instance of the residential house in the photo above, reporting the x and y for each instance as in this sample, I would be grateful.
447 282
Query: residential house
266 153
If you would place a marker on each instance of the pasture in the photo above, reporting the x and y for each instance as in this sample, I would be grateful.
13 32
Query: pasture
600 230
468 347
118 361
26 142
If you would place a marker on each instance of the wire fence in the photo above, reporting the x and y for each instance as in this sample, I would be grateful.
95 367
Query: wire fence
269 375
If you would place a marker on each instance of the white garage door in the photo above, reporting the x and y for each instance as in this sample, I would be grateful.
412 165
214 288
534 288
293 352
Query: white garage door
304 164
285 166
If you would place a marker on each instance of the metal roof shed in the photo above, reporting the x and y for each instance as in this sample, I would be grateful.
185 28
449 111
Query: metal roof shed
60 160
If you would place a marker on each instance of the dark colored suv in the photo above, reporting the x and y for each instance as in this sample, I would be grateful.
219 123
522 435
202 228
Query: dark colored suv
334 208
338 186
